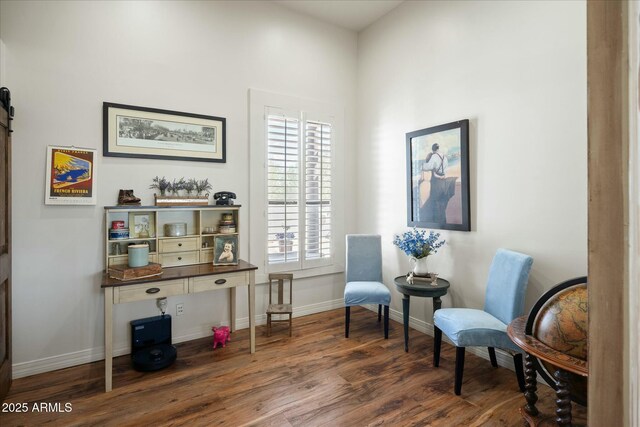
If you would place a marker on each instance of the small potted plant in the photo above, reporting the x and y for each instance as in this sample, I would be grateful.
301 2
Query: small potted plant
202 186
286 240
160 184
189 186
418 245
176 186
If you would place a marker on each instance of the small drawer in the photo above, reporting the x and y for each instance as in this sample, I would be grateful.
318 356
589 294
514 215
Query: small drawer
179 258
178 245
222 281
148 291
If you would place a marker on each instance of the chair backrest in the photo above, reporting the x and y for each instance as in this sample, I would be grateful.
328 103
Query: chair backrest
507 283
364 258
279 279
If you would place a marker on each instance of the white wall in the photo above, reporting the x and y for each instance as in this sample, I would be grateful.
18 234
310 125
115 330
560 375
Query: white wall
517 70
63 60
2 63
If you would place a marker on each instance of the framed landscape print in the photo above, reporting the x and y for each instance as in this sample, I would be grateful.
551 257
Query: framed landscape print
225 250
150 133
438 177
71 176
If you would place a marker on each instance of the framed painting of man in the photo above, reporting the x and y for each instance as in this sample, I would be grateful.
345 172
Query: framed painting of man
438 177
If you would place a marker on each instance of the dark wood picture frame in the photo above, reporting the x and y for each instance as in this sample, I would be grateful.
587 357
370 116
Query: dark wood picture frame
438 177
152 133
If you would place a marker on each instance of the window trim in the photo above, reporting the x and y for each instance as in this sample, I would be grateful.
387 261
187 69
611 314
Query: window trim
259 101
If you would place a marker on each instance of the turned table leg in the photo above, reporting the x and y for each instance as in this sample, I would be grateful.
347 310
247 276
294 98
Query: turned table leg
405 320
563 401
530 385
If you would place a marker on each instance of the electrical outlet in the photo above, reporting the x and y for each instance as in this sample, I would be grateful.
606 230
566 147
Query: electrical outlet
179 309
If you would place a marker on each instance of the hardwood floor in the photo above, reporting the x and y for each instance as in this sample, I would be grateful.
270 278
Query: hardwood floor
317 377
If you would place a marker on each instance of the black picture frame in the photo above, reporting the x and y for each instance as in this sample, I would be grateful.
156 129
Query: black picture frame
435 156
152 133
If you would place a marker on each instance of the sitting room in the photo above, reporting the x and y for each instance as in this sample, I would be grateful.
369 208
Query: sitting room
304 213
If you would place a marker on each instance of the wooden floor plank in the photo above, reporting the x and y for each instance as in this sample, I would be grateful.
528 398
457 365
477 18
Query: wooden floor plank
317 377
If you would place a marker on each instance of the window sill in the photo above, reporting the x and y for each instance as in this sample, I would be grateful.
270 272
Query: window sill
262 277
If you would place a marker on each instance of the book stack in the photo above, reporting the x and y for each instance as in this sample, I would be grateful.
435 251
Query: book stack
124 272
428 278
227 224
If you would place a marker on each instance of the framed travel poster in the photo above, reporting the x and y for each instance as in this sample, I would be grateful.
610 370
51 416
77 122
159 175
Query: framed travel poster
71 176
438 177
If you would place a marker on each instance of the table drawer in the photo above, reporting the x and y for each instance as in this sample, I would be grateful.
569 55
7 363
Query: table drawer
179 258
219 281
178 245
152 290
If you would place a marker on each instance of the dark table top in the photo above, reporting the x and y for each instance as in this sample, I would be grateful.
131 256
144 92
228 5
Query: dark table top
171 273
420 288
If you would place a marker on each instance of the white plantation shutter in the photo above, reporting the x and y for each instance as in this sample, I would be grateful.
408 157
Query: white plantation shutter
299 204
317 165
283 187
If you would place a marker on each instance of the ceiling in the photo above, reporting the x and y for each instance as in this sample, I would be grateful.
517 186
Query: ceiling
353 15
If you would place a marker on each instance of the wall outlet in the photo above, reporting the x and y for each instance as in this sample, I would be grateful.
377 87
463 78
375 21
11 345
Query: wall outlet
179 309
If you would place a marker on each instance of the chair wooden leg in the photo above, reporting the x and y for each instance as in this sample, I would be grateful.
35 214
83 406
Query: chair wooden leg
347 317
437 343
290 324
379 312
492 357
459 369
386 322
517 362
268 325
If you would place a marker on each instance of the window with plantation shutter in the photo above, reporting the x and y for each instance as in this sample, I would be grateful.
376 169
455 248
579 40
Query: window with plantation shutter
298 189
296 210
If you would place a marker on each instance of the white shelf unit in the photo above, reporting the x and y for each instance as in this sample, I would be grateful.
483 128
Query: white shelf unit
147 224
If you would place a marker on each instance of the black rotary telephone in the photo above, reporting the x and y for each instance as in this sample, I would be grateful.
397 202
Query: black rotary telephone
224 197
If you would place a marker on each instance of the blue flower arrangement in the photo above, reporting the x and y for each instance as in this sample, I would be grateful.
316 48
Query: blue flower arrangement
417 244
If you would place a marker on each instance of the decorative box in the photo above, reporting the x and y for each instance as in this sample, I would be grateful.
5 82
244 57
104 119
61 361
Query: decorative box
118 233
175 229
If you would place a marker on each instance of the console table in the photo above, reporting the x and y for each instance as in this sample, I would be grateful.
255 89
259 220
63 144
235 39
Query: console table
418 289
181 280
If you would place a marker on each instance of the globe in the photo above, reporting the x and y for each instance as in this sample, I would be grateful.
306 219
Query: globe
562 325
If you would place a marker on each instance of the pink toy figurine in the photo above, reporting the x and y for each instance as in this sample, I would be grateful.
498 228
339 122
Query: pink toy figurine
220 336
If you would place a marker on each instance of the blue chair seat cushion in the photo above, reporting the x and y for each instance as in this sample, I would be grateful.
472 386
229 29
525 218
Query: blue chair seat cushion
358 293
468 327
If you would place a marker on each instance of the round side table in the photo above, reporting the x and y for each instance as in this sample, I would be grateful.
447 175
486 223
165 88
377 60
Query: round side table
418 289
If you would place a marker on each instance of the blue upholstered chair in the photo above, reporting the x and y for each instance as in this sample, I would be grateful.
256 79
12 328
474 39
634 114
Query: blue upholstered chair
364 277
504 301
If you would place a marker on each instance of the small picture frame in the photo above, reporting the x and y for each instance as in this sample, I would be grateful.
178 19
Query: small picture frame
225 250
142 225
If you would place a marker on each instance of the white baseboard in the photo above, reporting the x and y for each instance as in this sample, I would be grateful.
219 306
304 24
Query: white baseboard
47 364
61 361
